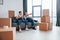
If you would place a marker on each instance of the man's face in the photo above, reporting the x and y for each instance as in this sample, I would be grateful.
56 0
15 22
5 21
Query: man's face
20 13
25 13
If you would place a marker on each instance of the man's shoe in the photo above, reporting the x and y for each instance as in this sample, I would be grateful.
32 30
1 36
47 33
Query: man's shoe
27 29
20 30
34 28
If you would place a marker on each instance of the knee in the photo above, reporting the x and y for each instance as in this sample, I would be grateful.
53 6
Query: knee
19 20
26 20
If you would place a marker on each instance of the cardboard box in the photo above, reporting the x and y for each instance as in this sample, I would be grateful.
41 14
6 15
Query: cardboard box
43 26
11 13
45 12
50 26
45 19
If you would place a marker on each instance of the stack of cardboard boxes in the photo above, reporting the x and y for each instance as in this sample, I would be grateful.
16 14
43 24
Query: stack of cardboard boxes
45 21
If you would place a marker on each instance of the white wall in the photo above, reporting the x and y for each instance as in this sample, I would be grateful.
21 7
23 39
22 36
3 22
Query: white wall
15 5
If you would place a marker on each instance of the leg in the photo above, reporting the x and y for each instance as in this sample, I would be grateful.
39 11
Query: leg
19 22
32 23
33 27
26 23
30 20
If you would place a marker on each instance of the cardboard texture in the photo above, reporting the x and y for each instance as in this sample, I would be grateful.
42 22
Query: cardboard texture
11 13
43 26
4 22
8 34
50 26
46 12
45 19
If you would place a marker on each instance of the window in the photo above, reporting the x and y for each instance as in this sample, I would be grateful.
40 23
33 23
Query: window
36 11
36 2
34 7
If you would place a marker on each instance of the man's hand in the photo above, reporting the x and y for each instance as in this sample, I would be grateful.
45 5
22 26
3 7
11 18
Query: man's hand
16 17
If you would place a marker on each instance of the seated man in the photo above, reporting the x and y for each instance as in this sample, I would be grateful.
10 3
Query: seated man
26 15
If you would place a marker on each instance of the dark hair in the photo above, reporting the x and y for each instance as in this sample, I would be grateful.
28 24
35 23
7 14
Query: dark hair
20 12
25 12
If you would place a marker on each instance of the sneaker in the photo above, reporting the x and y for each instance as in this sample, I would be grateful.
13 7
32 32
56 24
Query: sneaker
27 29
34 28
20 30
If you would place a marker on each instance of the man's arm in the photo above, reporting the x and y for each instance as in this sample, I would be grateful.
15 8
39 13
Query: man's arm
28 14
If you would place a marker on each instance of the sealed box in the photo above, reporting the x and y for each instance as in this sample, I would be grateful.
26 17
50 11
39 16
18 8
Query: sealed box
50 26
45 19
45 12
43 26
